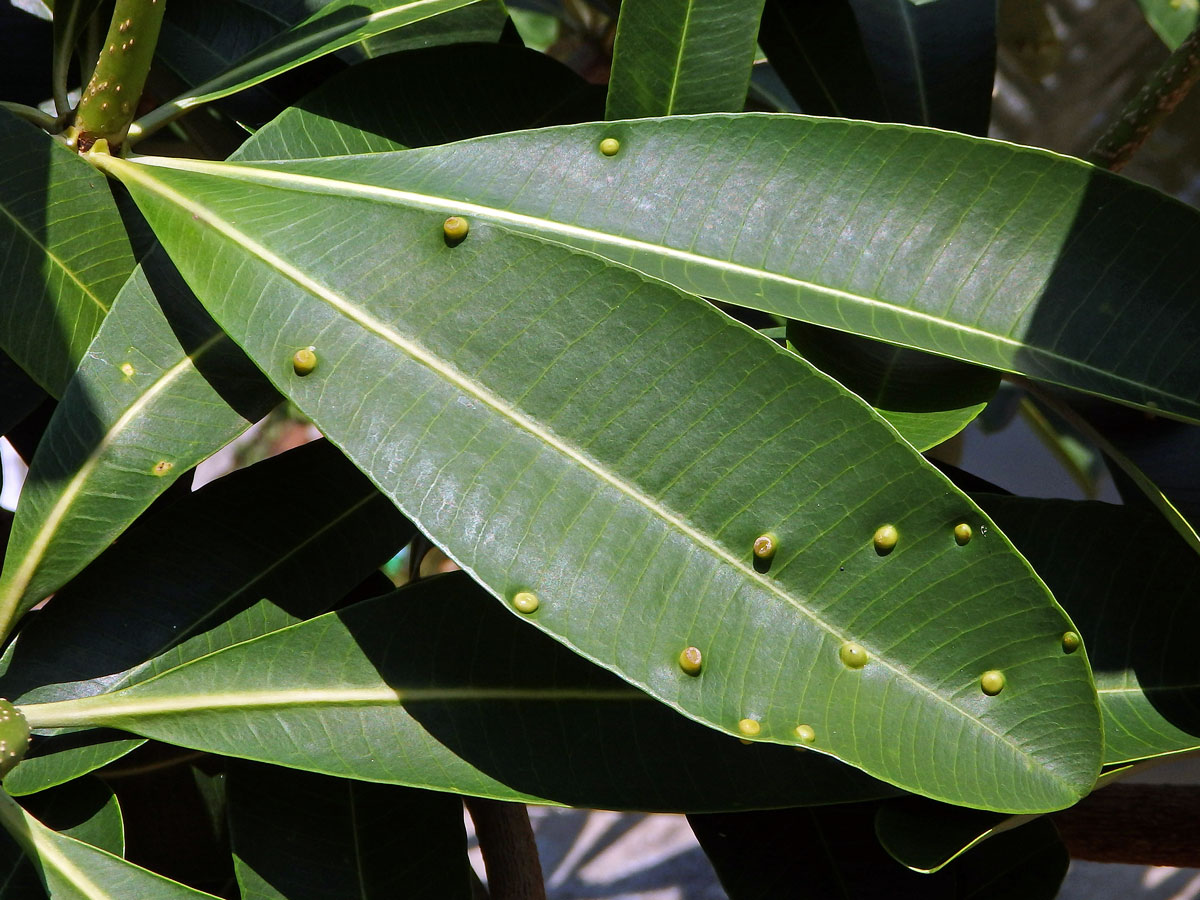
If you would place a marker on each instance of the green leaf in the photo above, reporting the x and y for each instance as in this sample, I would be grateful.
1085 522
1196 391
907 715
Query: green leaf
928 399
86 810
58 760
1126 579
919 63
480 22
359 111
377 840
20 396
334 26
150 400
301 554
934 60
674 57
73 870
65 253
832 853
517 442
1007 257
925 836
436 686
1172 20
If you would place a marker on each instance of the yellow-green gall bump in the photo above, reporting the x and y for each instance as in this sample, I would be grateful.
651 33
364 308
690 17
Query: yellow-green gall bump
610 146
749 727
885 539
304 361
526 602
853 656
1071 642
765 546
162 467
962 534
992 682
691 661
14 737
455 229
805 734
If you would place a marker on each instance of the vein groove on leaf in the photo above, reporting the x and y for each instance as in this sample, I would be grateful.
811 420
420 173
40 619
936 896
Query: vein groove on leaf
458 413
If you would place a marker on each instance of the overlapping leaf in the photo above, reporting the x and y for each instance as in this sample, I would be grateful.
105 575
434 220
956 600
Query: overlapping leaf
1128 582
334 26
1009 257
377 841
65 253
435 686
674 57
564 426
73 870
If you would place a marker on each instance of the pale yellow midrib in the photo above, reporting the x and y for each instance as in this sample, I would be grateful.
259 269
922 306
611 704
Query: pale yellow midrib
15 588
137 172
543 226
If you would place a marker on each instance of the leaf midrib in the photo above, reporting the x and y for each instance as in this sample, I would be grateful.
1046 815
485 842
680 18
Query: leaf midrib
126 169
540 227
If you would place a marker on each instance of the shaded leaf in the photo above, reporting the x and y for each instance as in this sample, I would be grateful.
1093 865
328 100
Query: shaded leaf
334 26
73 870
359 111
19 396
86 810
1127 580
1008 257
673 57
377 840
66 254
159 390
928 399
435 686
515 444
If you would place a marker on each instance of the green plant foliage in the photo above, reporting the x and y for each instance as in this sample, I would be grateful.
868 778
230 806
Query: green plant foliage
65 254
1172 20
415 701
378 841
674 57
946 282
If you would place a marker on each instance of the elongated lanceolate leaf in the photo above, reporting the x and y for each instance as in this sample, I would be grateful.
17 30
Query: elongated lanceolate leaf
1129 583
73 870
435 686
675 57
1009 257
303 558
339 24
567 427
149 401
378 841
63 253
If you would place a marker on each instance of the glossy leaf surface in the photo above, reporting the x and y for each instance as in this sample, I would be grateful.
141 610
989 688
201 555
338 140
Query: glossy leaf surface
65 253
435 686
928 399
515 444
150 400
1008 257
1128 581
73 870
336 25
378 841
673 57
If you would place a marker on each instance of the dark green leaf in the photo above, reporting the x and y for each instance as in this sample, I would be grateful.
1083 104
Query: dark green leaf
928 399
359 111
649 499
377 841
1008 257
674 57
435 686
65 253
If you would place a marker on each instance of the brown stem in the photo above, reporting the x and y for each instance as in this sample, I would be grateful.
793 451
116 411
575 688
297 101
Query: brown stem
509 853
1154 102
1140 824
